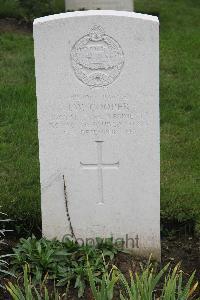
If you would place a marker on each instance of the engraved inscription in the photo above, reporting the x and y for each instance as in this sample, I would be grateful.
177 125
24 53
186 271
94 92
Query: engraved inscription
111 115
97 59
100 166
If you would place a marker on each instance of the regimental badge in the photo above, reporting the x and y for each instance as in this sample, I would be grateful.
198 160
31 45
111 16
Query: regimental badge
97 59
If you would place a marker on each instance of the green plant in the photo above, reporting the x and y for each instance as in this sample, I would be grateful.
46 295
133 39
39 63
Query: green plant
64 262
107 246
43 257
142 286
28 291
104 288
77 271
173 287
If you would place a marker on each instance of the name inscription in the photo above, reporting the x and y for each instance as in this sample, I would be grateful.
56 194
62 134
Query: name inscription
84 115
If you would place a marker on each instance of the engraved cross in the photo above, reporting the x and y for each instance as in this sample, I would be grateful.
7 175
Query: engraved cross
100 166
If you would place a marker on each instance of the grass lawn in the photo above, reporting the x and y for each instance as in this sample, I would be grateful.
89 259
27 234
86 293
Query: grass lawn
19 192
180 117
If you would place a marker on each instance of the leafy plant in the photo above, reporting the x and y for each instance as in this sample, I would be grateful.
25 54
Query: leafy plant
77 271
104 289
64 262
173 287
142 286
67 263
28 291
107 246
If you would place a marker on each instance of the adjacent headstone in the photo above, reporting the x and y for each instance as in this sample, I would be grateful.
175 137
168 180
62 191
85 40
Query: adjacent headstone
73 5
97 75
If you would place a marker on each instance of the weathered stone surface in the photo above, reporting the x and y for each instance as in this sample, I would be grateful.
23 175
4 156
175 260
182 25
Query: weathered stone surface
97 77
71 5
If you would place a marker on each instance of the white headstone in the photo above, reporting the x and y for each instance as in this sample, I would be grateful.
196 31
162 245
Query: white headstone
71 5
97 75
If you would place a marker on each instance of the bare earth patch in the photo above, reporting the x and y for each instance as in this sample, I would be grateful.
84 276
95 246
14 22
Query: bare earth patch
13 25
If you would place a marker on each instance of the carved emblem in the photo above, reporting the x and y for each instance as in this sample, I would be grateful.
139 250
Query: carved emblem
97 59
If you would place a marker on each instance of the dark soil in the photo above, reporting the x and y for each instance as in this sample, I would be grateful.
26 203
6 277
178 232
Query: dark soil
185 250
13 25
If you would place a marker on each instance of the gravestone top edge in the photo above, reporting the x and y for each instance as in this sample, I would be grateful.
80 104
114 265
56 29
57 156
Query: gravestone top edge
67 15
